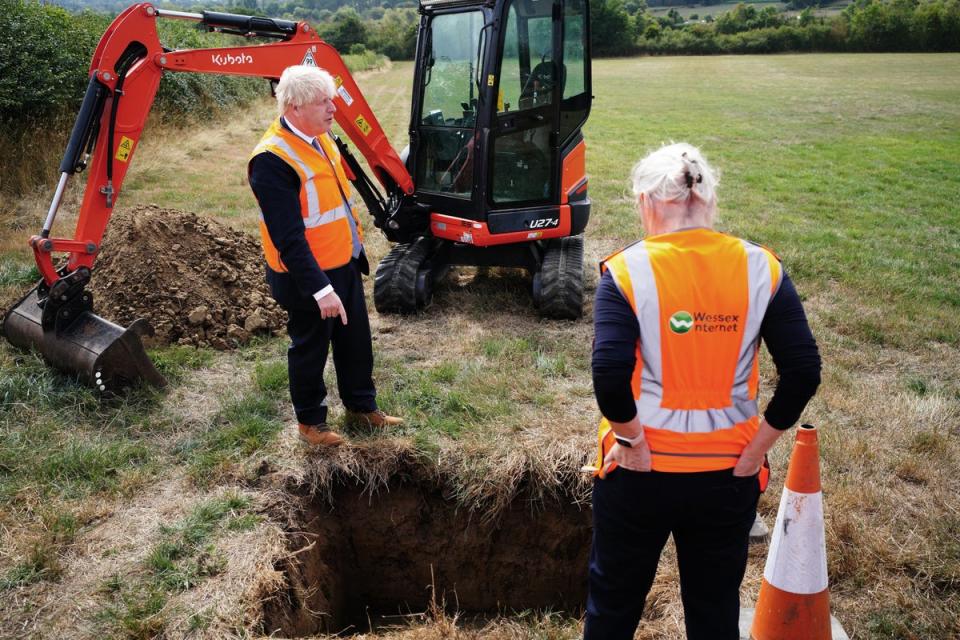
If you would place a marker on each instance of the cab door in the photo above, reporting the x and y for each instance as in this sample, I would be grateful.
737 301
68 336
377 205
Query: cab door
543 99
445 110
523 151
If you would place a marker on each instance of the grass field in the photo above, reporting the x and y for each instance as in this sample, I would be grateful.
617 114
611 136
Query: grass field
148 514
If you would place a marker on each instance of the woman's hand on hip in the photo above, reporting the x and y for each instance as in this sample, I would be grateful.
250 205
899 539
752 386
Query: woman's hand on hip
635 458
752 457
748 465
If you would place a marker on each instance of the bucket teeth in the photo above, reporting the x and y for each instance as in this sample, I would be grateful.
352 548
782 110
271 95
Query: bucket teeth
82 343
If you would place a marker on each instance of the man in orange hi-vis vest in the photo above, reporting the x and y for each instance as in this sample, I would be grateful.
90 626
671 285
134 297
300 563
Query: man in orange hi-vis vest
678 318
313 245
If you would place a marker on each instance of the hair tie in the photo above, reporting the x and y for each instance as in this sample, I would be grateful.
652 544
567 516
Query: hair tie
689 178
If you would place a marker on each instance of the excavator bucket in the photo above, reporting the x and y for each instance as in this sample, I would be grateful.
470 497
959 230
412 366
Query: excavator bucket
82 343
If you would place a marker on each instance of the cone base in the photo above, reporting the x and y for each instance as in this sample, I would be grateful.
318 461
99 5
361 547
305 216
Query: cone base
746 621
781 615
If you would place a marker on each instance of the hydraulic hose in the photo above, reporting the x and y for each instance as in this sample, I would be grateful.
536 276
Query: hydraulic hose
134 52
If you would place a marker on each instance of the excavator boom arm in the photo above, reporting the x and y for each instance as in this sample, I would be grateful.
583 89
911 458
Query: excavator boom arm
124 76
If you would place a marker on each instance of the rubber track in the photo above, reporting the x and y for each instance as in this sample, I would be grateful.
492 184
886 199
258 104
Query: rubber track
561 279
394 285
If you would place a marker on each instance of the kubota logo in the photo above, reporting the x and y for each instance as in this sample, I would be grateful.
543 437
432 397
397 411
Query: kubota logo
224 59
681 322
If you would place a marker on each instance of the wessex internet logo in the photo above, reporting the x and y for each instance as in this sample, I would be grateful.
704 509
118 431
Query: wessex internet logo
683 321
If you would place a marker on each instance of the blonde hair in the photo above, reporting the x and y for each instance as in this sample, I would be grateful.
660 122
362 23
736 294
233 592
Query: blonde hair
675 173
302 84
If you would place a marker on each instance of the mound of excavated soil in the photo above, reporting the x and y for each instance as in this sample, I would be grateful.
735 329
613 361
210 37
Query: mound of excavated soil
196 281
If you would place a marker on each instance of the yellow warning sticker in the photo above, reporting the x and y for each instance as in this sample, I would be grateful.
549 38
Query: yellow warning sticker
338 81
125 148
362 124
490 79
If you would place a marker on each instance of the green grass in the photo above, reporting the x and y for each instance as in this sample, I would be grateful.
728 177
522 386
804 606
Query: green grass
176 361
848 166
241 428
14 273
442 399
59 439
494 389
184 555
63 447
271 377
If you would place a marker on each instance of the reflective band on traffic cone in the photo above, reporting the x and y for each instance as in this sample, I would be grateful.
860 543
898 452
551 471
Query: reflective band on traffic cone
794 602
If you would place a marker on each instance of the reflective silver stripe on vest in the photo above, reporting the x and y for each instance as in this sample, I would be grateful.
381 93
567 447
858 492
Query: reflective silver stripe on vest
742 407
355 244
313 200
693 420
316 219
645 295
760 284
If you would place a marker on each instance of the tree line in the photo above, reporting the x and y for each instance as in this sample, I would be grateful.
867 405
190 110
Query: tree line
627 27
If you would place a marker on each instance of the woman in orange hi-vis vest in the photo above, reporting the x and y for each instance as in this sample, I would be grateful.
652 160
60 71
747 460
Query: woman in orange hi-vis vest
679 317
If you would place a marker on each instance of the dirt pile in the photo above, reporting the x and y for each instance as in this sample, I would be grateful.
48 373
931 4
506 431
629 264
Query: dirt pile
196 281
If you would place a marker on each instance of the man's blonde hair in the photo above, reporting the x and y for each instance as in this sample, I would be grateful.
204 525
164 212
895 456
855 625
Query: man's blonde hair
302 84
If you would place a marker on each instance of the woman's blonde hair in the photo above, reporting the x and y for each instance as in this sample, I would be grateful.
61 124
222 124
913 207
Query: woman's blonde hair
302 84
675 173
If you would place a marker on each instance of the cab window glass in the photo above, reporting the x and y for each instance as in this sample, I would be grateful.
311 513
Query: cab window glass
523 161
575 103
448 115
528 72
450 93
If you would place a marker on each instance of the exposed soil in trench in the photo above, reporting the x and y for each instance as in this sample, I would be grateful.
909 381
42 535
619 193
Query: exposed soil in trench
196 281
363 558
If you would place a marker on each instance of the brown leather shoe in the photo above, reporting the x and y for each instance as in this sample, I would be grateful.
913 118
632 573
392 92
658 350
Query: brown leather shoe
319 436
374 419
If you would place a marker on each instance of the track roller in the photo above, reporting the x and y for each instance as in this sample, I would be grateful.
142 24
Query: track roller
558 286
403 283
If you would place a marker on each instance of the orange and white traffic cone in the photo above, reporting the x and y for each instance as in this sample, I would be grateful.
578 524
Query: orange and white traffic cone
794 602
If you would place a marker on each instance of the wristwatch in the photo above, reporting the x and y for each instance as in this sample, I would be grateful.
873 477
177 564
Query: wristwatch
629 442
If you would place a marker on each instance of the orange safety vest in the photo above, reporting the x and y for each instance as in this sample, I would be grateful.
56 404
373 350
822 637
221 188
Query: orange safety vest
699 297
324 196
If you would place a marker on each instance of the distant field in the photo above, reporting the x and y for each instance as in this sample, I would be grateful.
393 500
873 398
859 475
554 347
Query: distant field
848 166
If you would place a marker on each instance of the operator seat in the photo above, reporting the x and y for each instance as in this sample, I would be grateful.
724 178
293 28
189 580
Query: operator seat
540 83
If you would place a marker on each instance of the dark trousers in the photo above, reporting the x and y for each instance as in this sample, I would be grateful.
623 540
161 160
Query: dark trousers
311 337
709 515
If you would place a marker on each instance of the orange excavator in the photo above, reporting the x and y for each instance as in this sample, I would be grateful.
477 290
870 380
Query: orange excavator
494 174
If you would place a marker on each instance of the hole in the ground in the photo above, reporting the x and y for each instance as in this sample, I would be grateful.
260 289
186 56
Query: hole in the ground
366 558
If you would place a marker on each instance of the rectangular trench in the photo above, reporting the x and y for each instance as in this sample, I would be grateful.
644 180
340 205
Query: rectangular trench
362 557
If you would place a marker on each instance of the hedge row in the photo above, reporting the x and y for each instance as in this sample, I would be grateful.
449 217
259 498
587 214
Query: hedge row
864 26
45 57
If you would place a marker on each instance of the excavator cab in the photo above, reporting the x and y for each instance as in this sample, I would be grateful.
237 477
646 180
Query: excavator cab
501 92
